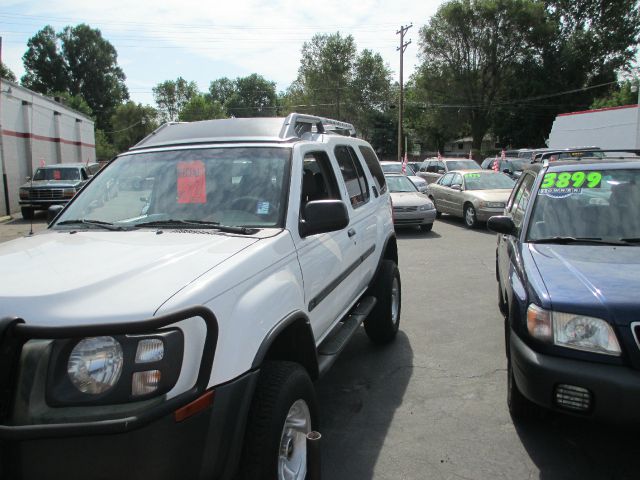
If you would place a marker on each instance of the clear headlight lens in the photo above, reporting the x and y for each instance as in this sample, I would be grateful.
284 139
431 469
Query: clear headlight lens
95 364
24 194
584 333
426 206
492 204
572 331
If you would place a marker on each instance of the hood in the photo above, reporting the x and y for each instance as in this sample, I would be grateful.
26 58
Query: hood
600 281
92 276
51 184
408 199
501 195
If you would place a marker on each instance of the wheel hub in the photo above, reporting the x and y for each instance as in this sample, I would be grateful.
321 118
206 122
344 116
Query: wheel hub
292 458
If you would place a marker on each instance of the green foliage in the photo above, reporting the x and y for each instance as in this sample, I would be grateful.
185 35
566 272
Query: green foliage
252 96
6 73
104 149
201 107
171 97
221 89
75 101
621 95
131 123
78 61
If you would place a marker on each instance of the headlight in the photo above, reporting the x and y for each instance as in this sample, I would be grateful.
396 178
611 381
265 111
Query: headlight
492 204
95 364
68 192
24 194
572 331
426 206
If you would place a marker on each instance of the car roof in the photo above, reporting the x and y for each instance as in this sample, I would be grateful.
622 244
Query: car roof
576 164
68 165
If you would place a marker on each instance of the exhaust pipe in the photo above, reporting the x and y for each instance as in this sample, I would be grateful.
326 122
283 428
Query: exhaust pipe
314 465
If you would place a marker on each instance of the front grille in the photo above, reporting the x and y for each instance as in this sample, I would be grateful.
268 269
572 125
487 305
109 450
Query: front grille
407 221
405 209
46 194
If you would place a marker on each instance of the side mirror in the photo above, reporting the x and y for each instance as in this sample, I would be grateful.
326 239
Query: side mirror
501 224
457 186
321 216
52 213
27 178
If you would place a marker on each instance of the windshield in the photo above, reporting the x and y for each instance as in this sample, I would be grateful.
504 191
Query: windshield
398 183
240 186
597 204
57 174
397 168
462 165
487 181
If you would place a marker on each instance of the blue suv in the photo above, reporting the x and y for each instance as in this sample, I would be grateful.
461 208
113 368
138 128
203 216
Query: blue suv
568 271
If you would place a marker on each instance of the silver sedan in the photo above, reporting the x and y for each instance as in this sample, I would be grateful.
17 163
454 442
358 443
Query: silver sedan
410 207
474 195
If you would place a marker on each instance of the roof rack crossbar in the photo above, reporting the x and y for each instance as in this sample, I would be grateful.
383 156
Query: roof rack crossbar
296 125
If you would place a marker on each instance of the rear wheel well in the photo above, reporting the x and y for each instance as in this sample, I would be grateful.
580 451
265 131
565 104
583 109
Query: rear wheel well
391 250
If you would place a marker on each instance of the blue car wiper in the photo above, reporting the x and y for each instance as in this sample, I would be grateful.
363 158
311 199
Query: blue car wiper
94 223
171 223
567 240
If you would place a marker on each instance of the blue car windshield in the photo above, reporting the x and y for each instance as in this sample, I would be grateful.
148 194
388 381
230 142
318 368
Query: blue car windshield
590 204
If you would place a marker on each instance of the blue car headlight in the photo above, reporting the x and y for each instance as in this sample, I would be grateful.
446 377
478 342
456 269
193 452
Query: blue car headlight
574 331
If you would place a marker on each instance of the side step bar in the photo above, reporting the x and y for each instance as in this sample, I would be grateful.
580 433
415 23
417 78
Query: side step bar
335 342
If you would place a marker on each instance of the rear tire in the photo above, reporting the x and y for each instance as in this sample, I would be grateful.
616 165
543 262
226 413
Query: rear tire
282 412
27 213
383 322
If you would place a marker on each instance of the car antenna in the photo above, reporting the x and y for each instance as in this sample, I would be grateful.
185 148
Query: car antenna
31 193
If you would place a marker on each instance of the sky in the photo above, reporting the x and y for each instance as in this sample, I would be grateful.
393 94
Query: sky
202 41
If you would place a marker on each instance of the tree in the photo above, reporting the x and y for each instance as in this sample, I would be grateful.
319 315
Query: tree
104 149
171 96
74 101
326 70
201 107
475 46
221 89
6 73
78 61
621 95
131 123
44 64
253 96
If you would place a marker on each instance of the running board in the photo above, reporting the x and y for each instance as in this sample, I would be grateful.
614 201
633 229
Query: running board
335 342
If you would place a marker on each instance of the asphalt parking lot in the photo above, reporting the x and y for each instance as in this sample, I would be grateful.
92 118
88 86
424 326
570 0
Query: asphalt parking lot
432 405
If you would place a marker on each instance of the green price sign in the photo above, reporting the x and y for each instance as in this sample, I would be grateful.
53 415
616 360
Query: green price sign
571 180
472 175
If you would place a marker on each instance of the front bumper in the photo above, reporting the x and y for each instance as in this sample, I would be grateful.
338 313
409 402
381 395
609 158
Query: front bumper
615 389
192 435
41 204
426 217
483 214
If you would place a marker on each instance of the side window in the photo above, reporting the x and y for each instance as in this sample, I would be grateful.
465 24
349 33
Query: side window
353 176
456 179
318 179
362 178
445 181
83 174
423 166
374 166
521 201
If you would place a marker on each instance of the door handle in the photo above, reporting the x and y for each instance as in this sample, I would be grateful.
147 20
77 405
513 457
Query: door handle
351 232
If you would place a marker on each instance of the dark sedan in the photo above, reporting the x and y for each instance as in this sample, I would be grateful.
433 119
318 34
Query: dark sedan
568 269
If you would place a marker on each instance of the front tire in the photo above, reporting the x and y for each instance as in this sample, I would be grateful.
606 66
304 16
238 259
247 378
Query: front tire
438 214
520 407
470 218
427 227
383 322
27 213
282 412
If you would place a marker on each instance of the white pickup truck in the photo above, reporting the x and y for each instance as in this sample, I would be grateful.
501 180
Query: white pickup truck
172 327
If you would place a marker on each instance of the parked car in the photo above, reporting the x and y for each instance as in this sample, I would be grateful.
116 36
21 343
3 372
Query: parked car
473 195
174 331
568 281
432 169
410 207
511 166
54 185
396 167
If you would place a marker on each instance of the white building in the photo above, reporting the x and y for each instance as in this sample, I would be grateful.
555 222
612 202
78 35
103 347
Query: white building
607 128
37 130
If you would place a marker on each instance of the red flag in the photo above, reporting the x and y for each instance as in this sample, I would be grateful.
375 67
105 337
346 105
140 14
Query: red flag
42 162
439 156
503 154
496 166
404 163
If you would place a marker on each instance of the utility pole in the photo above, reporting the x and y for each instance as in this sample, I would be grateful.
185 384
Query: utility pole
403 46
5 183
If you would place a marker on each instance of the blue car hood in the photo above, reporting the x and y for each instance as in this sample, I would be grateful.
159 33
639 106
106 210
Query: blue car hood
599 281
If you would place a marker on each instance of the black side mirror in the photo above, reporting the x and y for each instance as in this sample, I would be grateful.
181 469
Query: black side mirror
501 224
52 213
321 216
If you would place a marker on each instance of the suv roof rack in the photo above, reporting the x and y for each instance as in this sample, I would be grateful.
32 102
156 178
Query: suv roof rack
587 152
265 129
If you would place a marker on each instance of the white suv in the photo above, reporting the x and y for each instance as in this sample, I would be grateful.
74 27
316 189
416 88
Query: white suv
173 329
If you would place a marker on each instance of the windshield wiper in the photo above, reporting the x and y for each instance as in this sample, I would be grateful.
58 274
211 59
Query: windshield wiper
567 240
197 223
94 223
632 240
